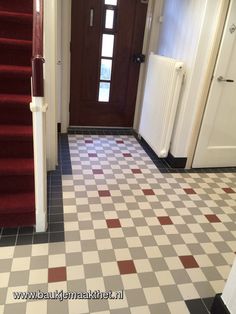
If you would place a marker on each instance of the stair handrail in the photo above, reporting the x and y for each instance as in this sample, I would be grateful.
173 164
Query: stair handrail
38 109
37 58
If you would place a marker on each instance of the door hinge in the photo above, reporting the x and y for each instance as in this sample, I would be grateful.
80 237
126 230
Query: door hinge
232 28
144 1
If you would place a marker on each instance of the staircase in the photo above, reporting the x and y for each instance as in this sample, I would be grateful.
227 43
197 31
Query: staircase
17 201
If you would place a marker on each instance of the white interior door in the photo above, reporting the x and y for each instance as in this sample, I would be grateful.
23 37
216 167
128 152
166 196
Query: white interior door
217 139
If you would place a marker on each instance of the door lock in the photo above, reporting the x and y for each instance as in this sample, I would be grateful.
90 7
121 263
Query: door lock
139 58
221 79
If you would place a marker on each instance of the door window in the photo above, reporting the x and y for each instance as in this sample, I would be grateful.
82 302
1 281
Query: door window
111 2
107 51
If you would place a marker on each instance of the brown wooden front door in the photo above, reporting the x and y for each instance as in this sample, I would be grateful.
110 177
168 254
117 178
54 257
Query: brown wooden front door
106 36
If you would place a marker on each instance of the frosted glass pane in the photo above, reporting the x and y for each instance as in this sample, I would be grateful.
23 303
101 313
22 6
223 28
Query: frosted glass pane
109 19
104 92
107 45
111 2
105 70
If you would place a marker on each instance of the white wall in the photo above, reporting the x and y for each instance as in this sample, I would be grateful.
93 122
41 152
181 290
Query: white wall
186 32
229 292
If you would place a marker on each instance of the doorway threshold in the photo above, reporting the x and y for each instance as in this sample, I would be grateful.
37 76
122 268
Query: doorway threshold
100 130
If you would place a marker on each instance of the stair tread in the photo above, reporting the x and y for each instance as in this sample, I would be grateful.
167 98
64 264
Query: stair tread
15 69
15 131
15 42
16 166
14 99
16 202
16 16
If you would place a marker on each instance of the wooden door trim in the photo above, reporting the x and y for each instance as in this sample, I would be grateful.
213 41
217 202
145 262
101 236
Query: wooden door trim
150 43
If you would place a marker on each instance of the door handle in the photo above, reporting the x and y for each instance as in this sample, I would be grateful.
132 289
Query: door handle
91 18
221 79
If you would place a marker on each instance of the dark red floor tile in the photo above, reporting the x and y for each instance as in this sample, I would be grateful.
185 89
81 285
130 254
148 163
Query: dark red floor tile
229 190
136 171
126 267
165 220
57 274
189 261
104 193
97 171
212 218
120 142
189 191
88 141
113 223
148 192
127 155
92 155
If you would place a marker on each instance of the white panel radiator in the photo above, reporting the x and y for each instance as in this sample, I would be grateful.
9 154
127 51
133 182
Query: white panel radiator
161 96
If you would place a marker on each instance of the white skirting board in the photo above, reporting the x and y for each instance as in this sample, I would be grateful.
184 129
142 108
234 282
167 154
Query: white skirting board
161 97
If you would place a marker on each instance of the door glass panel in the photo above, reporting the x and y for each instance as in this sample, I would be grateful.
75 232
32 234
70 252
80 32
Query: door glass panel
104 92
109 19
111 2
107 45
105 70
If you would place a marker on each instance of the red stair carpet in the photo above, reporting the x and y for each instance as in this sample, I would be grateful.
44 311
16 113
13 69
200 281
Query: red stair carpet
17 206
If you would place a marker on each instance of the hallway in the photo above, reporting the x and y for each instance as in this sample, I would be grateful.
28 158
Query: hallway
163 238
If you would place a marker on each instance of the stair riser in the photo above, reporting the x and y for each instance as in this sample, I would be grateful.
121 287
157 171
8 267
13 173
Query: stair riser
13 85
11 29
25 6
17 183
16 149
17 199
17 219
15 56
16 116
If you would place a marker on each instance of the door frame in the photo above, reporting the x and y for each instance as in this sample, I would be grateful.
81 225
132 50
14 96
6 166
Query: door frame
150 43
66 38
214 47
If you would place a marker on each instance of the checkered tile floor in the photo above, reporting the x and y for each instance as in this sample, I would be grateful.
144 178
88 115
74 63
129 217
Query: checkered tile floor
162 238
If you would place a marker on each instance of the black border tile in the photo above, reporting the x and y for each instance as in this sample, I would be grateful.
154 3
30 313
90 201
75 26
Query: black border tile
56 237
25 230
208 303
39 238
9 231
24 239
27 235
56 227
218 306
196 306
8 240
